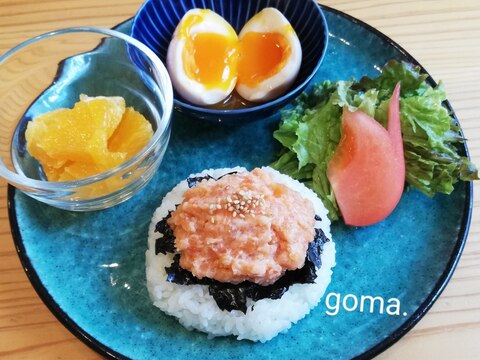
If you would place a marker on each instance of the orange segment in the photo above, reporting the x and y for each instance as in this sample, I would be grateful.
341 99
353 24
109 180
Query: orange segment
132 134
95 120
78 134
40 129
79 170
74 143
54 174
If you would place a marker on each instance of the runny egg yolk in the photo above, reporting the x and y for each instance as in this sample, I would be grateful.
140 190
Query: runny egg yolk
211 59
262 55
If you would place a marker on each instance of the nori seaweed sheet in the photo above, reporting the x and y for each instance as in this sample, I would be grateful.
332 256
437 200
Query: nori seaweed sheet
234 296
167 243
195 180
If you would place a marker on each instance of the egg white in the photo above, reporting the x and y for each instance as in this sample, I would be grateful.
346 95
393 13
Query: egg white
266 21
190 89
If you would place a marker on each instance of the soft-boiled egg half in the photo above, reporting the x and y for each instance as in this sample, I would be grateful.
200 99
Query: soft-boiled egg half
206 60
202 57
270 56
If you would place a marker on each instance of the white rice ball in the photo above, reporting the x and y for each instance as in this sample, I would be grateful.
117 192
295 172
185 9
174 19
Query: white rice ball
195 308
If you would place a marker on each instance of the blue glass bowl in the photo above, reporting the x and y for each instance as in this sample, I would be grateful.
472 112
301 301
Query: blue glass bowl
156 21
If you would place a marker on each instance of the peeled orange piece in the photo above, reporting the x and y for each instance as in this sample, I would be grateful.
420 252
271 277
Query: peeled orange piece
132 134
74 143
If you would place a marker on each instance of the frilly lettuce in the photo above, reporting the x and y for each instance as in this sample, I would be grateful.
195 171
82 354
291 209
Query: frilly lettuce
311 129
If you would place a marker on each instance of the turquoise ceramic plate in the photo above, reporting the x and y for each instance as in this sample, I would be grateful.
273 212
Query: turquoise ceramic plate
89 267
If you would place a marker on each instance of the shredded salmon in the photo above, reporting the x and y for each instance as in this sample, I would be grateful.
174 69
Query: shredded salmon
242 227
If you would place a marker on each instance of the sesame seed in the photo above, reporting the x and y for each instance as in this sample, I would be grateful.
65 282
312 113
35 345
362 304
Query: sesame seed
234 214
242 216
219 206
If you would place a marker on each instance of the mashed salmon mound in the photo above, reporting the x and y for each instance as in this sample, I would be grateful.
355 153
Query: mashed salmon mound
242 227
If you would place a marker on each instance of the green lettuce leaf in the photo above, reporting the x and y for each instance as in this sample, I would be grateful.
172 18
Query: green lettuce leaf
413 82
311 129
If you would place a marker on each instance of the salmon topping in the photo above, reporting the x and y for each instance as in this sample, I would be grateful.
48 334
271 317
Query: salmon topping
242 227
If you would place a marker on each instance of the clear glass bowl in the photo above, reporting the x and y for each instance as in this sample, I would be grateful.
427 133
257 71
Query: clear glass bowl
49 72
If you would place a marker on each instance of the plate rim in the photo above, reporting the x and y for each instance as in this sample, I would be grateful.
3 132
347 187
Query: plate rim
375 350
